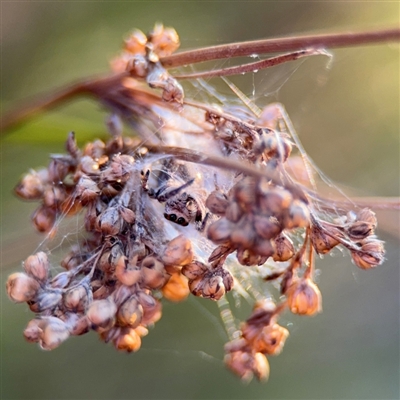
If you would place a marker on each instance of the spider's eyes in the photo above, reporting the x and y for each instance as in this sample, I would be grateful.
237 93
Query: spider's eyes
172 217
182 221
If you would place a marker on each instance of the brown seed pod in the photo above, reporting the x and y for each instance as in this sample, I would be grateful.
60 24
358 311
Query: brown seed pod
220 231
271 339
153 273
44 219
77 299
284 249
164 40
46 300
233 212
33 330
151 308
371 254
298 215
135 43
304 297
77 324
217 202
130 313
274 201
54 333
321 241
267 227
178 252
32 185
248 257
37 266
359 230
101 314
195 270
126 272
21 287
243 234
109 222
246 364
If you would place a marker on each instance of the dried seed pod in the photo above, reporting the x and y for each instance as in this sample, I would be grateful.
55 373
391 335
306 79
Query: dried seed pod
243 234
77 299
246 364
244 192
77 324
89 166
233 212
37 266
195 270
304 297
33 330
298 215
263 247
366 215
101 314
274 201
135 43
128 340
109 222
321 241
178 252
275 146
59 168
54 333
130 313
54 196
271 339
87 189
21 287
62 279
267 227
46 300
127 214
176 289
32 185
220 231
217 202
284 249
151 308
164 40
127 272
248 257
153 273
72 259
359 230
371 254
44 219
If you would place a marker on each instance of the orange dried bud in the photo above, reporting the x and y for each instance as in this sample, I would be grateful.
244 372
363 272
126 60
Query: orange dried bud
31 186
127 273
178 252
271 339
274 201
136 43
37 266
128 340
195 270
367 215
304 297
21 287
153 273
151 308
164 40
176 289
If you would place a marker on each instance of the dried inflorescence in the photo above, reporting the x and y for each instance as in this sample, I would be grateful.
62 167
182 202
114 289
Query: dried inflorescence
164 221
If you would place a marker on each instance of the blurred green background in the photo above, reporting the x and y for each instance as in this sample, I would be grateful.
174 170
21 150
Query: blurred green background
347 117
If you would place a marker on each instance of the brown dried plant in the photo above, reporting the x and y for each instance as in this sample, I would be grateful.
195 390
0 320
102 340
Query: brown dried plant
200 201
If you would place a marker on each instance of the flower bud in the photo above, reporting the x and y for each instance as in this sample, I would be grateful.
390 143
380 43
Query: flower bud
178 252
263 247
21 287
194 270
44 219
359 230
271 339
233 212
136 43
274 201
37 266
87 189
46 300
370 255
217 202
267 227
164 40
77 324
246 364
151 308
298 215
243 234
109 222
153 273
31 186
33 330
304 297
77 299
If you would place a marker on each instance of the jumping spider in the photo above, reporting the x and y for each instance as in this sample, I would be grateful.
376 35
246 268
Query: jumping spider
181 207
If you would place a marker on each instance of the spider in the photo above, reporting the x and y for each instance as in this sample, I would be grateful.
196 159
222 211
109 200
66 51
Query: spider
181 207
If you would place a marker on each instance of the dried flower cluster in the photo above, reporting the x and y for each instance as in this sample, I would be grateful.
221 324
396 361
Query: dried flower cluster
162 221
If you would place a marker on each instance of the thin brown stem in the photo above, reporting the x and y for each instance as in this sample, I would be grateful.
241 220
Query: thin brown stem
251 67
240 49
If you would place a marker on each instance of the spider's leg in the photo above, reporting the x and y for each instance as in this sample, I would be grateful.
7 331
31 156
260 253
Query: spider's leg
165 196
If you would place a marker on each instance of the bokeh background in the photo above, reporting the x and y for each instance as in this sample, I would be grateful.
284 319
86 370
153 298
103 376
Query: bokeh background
347 115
